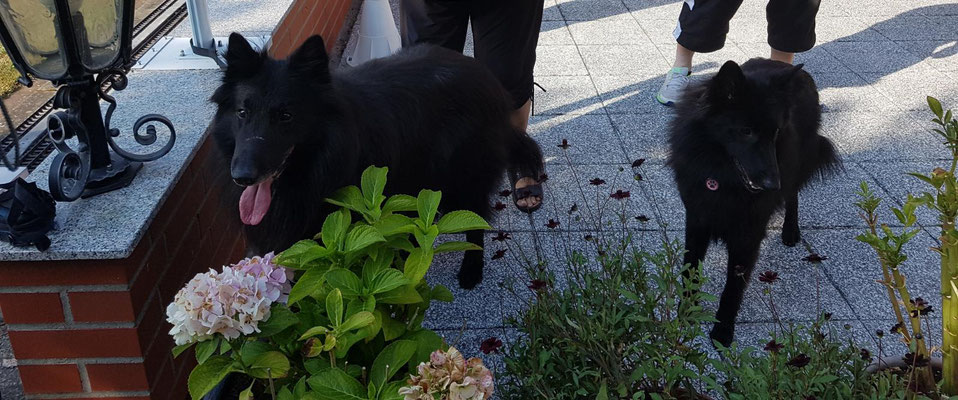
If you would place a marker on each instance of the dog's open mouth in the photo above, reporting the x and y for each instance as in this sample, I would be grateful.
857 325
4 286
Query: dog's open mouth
255 200
749 184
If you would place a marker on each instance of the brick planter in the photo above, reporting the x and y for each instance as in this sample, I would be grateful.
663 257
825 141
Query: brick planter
96 328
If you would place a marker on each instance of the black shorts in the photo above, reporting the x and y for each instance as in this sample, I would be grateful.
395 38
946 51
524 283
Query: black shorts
703 24
505 33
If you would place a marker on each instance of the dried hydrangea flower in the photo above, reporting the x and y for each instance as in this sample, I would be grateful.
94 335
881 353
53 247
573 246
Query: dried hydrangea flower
449 376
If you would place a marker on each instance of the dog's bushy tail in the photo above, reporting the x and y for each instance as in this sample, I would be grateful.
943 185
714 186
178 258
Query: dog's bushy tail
829 161
525 156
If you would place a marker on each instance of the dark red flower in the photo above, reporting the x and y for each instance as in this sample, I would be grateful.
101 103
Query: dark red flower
596 181
920 307
865 354
815 258
799 361
536 284
773 346
638 163
490 345
552 224
499 254
574 208
502 236
897 328
768 277
828 316
619 195
499 206
642 218
565 144
505 193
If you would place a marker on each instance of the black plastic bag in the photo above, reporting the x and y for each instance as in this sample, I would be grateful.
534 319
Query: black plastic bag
26 214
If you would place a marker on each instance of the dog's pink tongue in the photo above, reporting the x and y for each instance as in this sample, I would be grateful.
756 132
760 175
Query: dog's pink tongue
254 203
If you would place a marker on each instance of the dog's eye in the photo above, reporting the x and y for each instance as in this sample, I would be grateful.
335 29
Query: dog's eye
285 117
241 113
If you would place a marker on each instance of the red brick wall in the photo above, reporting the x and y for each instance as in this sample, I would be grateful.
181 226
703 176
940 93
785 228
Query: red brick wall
85 329
306 18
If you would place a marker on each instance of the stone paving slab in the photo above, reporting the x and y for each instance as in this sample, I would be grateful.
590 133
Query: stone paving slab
600 62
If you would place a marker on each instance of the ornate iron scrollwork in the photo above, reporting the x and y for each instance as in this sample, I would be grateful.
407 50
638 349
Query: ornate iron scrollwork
119 82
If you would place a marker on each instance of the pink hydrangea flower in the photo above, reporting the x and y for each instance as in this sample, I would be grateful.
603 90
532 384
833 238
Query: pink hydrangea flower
230 303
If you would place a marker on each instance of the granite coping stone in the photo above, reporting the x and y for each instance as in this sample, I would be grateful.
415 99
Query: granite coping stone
110 225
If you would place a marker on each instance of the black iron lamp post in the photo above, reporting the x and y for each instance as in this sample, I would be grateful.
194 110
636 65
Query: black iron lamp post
81 46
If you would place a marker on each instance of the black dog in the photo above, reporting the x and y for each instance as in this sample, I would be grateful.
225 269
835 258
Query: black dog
296 131
743 144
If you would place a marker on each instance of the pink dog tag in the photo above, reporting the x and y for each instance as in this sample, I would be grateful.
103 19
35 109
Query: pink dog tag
712 184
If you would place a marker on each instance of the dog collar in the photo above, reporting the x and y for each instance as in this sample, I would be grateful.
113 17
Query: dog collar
711 184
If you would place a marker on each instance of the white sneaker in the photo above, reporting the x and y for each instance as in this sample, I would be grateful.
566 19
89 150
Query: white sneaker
675 82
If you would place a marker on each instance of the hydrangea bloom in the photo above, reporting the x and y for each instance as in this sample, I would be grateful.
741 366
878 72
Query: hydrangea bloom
277 278
452 377
230 303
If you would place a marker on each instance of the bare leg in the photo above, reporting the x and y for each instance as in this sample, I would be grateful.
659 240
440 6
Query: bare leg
782 56
520 117
683 57
520 120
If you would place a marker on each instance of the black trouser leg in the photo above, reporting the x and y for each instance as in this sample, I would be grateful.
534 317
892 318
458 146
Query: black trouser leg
703 24
506 34
442 23
791 24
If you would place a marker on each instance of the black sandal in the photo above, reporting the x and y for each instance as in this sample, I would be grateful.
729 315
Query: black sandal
534 190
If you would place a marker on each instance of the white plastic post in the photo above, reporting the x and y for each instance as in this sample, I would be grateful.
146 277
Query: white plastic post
199 13
378 35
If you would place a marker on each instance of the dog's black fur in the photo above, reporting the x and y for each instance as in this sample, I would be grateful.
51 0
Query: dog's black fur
752 131
439 120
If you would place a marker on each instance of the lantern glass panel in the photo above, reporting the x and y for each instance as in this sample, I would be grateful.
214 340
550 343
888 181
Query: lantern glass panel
34 27
98 24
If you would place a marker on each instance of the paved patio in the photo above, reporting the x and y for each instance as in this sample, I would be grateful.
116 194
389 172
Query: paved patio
600 62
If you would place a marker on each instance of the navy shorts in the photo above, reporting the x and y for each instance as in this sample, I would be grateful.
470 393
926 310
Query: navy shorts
505 33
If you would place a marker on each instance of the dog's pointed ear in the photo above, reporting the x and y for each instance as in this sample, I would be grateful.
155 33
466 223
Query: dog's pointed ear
311 57
727 84
241 59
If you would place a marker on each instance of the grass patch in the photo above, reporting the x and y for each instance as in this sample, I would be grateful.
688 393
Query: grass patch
8 74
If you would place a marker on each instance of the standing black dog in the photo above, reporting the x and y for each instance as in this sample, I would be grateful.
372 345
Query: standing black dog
296 131
743 144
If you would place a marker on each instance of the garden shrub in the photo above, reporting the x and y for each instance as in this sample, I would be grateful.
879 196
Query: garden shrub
350 326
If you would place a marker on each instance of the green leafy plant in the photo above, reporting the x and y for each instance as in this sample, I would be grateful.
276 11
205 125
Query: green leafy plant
352 323
888 244
615 320
802 362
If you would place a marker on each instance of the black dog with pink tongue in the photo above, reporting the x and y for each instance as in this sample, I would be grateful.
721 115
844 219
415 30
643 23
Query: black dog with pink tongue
295 132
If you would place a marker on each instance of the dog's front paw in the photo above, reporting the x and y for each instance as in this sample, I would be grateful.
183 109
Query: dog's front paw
470 273
723 334
791 236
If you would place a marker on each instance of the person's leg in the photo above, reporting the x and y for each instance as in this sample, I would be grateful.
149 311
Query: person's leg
702 27
506 33
783 56
683 57
791 27
442 23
